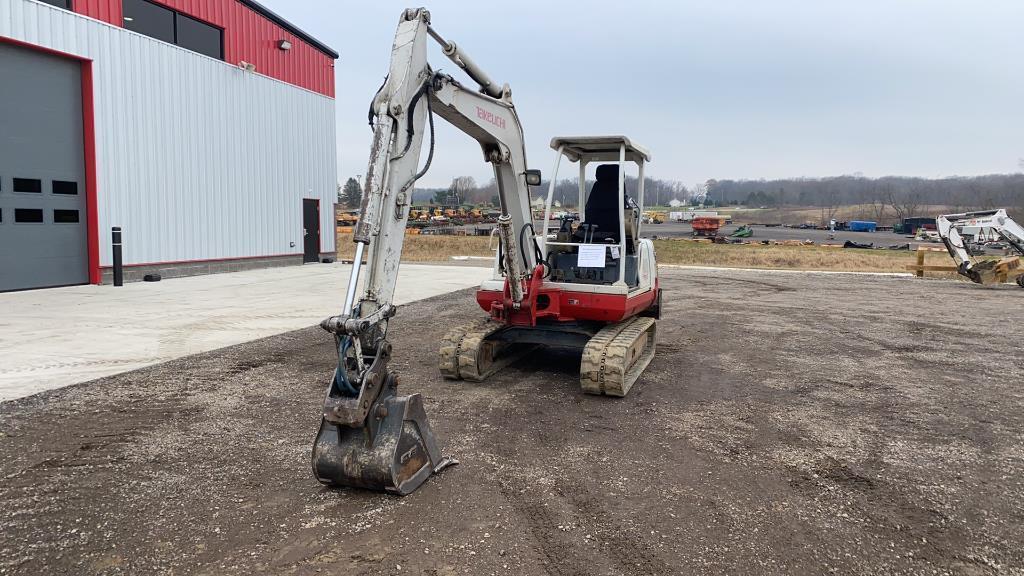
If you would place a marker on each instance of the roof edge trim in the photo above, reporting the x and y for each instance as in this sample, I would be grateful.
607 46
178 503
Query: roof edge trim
276 19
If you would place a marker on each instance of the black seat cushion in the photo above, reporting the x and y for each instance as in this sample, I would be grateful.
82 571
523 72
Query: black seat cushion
603 204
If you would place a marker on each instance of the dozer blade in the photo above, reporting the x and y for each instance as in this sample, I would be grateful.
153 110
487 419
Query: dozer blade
393 451
616 356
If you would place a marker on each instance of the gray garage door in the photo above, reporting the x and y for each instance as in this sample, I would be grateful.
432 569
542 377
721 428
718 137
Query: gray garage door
42 173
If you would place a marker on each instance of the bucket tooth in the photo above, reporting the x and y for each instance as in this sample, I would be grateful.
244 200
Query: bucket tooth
394 450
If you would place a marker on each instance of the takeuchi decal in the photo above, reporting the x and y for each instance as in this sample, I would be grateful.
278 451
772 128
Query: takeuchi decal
490 117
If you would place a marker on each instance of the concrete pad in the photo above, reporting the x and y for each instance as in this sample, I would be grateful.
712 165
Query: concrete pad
62 336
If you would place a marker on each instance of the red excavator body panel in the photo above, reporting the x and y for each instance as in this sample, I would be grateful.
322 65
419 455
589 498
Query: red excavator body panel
554 302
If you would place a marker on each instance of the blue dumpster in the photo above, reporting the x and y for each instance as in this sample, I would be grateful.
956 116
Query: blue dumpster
862 226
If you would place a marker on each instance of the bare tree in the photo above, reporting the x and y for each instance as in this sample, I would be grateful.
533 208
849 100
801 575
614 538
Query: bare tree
876 203
829 201
906 198
459 191
700 193
461 188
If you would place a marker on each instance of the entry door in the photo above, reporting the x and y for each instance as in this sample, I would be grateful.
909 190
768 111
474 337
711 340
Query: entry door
43 239
311 230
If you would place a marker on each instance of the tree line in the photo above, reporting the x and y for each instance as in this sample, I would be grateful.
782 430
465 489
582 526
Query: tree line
885 198
465 190
896 196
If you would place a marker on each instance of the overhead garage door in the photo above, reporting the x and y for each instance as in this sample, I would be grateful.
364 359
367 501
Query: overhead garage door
43 238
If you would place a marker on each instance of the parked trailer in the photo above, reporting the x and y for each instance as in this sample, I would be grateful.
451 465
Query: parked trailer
862 226
912 225
706 226
690 215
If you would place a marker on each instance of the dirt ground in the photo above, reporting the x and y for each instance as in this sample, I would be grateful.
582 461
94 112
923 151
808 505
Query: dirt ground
790 424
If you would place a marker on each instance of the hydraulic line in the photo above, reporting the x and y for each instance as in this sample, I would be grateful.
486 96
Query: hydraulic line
411 131
341 382
536 248
371 115
430 152
410 117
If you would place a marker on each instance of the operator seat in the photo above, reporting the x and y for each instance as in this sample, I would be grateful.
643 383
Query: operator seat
603 211
602 206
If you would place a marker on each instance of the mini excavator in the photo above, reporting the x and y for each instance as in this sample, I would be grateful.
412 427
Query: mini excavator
592 286
951 231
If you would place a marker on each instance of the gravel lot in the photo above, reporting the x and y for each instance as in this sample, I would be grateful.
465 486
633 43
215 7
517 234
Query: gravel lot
790 424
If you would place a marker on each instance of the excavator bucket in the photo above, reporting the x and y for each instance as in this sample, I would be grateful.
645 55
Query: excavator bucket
393 450
994 271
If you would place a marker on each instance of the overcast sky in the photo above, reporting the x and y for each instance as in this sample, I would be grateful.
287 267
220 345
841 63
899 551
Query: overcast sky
716 88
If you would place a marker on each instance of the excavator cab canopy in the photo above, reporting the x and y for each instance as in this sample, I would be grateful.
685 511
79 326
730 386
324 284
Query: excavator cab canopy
608 217
599 148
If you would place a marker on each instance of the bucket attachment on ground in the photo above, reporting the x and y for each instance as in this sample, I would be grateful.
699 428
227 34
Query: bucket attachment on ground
376 440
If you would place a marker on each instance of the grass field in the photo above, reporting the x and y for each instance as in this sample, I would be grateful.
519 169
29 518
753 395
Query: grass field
684 252
427 248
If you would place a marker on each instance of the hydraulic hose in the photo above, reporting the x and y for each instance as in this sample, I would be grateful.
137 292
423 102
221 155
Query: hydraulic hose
341 383
371 115
430 152
536 248
410 117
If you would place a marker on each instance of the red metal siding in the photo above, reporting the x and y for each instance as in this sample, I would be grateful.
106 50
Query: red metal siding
106 10
248 37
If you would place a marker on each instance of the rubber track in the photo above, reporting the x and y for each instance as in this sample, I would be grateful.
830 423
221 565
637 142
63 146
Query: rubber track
459 354
607 367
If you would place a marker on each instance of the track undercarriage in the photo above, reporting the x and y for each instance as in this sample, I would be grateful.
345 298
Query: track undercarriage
613 355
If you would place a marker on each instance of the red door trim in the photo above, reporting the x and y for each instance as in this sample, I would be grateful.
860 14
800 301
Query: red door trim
89 152
91 204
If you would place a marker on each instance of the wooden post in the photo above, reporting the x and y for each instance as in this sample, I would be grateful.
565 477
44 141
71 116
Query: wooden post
920 263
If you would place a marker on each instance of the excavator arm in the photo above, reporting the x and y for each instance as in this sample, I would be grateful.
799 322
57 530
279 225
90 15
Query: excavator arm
369 436
412 94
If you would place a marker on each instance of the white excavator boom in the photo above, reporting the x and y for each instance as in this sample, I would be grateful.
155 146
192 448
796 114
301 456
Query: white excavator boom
400 113
369 436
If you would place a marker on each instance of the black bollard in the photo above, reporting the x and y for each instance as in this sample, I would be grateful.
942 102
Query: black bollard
115 233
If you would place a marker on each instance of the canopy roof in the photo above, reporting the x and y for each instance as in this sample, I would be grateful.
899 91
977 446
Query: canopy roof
600 148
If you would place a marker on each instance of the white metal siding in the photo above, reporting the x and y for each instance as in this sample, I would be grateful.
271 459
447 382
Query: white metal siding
196 159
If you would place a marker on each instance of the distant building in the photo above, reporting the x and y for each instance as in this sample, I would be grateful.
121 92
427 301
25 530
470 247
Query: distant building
204 129
540 202
674 203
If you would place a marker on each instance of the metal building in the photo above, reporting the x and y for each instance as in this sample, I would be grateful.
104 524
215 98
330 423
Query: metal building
205 129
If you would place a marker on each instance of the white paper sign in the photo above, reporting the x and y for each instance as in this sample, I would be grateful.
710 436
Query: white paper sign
615 252
591 256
